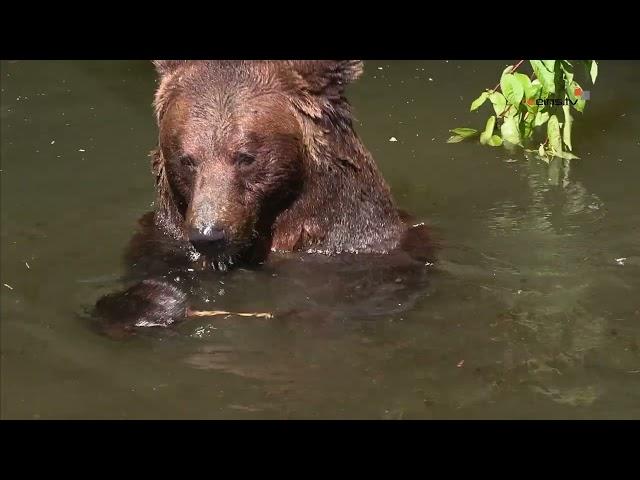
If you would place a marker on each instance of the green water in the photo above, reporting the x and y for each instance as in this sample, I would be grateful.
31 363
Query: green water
534 312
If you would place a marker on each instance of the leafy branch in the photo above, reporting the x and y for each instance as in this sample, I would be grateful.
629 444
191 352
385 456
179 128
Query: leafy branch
523 104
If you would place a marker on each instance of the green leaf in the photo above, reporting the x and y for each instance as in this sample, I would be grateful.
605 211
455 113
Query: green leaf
532 95
524 81
455 139
541 118
579 106
512 89
533 90
567 155
566 130
495 141
465 132
593 70
526 126
545 76
549 64
509 130
488 130
531 106
498 101
507 70
553 132
477 103
568 72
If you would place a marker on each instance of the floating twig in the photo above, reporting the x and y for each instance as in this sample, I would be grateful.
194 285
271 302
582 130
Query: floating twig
214 313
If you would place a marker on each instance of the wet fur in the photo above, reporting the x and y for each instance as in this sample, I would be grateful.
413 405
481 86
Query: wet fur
317 188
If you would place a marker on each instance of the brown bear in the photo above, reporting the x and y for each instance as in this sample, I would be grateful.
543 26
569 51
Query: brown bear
256 157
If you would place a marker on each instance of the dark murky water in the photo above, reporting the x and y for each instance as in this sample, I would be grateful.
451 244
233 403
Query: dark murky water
533 313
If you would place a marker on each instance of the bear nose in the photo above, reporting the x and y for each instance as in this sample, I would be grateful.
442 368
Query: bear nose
206 235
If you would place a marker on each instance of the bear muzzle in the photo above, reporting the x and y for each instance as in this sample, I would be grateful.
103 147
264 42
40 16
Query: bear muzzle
208 236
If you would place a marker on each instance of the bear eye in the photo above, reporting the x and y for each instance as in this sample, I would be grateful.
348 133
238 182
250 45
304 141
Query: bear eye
187 161
244 159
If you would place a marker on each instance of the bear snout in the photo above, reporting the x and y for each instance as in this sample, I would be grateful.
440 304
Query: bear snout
207 236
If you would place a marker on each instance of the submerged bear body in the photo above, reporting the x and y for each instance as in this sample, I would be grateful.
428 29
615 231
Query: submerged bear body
257 157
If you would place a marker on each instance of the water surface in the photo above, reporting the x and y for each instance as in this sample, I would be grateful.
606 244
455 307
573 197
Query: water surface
534 311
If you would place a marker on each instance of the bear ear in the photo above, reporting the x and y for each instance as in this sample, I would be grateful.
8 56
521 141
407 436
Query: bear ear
164 67
327 76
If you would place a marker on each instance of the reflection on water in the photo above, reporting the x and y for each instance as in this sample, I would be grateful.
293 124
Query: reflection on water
557 203
531 312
